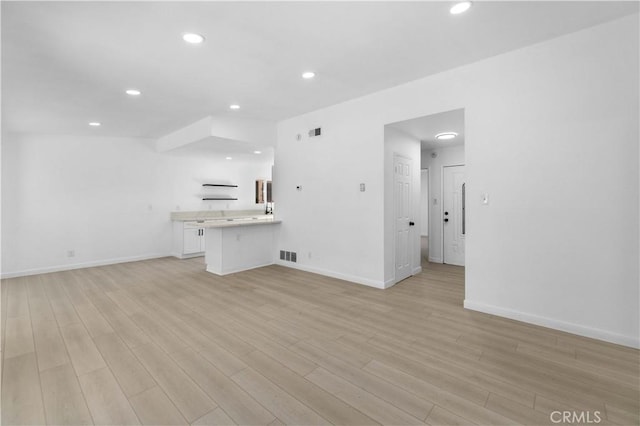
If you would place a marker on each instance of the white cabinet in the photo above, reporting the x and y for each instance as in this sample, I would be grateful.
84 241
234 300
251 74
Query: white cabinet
188 240
193 240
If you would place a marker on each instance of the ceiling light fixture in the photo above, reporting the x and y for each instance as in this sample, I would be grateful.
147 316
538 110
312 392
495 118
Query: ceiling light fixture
234 106
257 152
193 38
133 92
308 75
229 158
446 136
461 7
94 124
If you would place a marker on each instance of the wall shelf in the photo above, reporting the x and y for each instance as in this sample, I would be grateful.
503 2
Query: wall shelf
211 197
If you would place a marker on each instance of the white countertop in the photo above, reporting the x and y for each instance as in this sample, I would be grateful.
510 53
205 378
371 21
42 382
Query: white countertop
189 216
228 223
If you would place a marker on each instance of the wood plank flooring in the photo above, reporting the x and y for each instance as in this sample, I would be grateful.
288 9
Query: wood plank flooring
164 342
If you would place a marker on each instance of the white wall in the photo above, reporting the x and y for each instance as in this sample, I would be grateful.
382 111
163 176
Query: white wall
552 136
398 142
108 199
451 156
335 229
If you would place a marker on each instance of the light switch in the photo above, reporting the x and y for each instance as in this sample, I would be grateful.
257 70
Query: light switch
362 187
485 199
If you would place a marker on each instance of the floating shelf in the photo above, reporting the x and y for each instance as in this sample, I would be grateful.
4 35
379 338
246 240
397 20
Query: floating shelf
219 184
228 199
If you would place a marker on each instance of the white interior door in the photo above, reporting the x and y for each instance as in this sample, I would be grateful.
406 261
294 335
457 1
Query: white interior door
402 199
453 215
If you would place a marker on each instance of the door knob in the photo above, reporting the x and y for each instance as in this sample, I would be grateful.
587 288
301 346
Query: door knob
446 219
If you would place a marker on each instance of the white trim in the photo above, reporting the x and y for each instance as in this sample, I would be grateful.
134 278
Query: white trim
352 278
90 264
435 259
417 270
595 333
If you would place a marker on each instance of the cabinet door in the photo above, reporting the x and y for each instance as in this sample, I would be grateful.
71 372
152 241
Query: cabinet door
192 241
202 246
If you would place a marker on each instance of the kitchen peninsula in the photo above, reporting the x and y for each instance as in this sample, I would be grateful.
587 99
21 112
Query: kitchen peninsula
237 244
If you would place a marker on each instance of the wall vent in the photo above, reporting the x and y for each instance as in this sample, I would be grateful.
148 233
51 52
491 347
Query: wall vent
289 256
315 132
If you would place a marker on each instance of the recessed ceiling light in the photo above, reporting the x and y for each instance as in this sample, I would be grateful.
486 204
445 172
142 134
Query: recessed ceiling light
234 106
446 135
193 38
457 8
94 124
308 75
133 92
257 152
229 158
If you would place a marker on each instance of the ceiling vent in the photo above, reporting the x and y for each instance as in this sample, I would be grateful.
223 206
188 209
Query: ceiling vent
315 132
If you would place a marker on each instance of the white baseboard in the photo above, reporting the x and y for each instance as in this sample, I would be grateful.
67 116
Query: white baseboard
594 333
187 256
389 283
435 259
332 274
233 271
416 270
90 264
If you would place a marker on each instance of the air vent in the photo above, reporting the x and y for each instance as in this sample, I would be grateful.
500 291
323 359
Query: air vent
315 132
289 256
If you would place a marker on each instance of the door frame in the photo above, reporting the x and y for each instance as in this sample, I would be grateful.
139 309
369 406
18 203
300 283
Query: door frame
395 224
442 210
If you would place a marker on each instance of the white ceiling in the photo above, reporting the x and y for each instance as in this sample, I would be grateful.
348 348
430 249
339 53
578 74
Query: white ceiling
67 63
426 128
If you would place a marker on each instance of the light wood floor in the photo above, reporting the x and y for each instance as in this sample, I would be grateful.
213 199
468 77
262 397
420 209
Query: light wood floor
164 342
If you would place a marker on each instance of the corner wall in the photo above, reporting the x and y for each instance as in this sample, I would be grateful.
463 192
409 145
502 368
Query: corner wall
551 135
